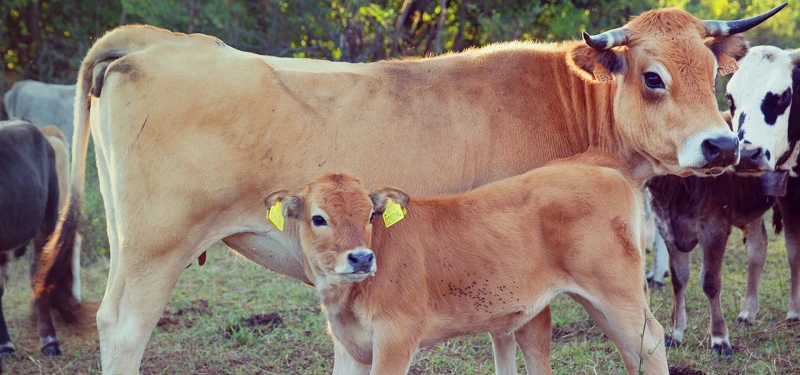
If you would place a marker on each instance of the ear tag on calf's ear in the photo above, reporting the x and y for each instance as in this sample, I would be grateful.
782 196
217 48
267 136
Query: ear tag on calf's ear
393 213
727 65
275 216
601 73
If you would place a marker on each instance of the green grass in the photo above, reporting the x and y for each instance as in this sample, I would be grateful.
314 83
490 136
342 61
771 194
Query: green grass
233 317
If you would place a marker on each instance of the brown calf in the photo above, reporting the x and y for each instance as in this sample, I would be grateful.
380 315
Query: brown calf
486 261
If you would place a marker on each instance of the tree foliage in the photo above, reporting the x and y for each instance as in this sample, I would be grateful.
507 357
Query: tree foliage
46 39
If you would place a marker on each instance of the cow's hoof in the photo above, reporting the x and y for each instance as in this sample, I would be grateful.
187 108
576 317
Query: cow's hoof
669 342
722 349
743 322
657 285
52 349
8 353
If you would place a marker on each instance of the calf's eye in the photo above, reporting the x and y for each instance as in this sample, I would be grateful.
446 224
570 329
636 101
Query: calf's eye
653 81
318 221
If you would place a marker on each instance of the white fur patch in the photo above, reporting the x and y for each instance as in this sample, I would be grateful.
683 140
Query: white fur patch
691 154
765 69
721 341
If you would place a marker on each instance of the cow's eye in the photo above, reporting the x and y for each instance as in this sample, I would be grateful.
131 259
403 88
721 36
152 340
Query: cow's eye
653 81
318 221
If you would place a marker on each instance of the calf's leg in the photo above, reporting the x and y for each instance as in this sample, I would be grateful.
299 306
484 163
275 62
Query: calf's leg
756 244
504 349
344 363
533 339
714 242
393 346
791 220
6 346
679 266
660 263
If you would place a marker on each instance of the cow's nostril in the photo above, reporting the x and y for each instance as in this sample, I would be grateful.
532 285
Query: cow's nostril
720 151
352 258
756 155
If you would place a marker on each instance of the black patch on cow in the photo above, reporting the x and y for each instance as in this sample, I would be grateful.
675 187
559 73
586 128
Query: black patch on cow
767 154
97 85
731 105
794 121
741 123
775 105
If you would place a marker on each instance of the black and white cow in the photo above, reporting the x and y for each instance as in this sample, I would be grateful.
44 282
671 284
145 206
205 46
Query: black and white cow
29 205
765 110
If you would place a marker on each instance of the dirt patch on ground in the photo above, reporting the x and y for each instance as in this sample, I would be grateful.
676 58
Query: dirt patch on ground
170 319
684 370
258 323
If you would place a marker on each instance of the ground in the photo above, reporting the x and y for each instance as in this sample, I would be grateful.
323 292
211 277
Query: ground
233 317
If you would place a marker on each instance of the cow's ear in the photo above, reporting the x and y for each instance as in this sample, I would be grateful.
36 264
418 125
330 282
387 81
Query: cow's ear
380 196
735 46
795 55
291 205
586 59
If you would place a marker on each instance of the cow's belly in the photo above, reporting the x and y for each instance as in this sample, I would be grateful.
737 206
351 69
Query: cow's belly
271 250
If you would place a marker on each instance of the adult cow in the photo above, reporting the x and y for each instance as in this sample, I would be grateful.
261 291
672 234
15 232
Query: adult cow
190 135
41 104
29 196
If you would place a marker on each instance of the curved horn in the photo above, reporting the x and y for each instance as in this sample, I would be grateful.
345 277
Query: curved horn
722 28
608 39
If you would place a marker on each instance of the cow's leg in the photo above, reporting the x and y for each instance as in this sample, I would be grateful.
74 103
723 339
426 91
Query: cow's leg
679 267
504 349
713 241
756 244
534 342
660 263
6 347
791 221
48 342
394 346
626 319
344 363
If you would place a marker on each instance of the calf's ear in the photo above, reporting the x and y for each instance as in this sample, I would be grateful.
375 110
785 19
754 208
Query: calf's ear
380 196
735 46
291 205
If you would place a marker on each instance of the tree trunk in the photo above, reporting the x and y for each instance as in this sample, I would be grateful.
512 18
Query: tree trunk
458 43
35 47
192 14
440 28
401 19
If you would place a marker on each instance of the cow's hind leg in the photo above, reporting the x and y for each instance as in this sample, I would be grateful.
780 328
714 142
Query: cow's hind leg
756 244
627 320
791 218
7 348
48 342
534 342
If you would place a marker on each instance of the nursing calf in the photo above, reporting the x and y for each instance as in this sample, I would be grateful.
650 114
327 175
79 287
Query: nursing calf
489 260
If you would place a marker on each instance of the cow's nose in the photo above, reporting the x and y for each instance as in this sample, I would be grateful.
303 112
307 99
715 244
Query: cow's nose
752 159
720 151
361 261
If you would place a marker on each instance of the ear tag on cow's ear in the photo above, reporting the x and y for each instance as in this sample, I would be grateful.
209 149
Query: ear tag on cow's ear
727 65
393 213
601 73
275 216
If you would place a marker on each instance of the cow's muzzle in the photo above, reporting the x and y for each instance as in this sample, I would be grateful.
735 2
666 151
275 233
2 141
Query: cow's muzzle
720 151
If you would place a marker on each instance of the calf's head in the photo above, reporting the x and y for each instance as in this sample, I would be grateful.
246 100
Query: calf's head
335 213
664 64
761 96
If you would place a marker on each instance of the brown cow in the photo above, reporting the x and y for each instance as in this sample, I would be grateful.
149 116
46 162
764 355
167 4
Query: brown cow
486 261
190 132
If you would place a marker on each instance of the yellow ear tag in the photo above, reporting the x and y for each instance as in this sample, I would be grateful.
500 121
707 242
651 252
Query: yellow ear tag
727 65
275 216
393 213
602 74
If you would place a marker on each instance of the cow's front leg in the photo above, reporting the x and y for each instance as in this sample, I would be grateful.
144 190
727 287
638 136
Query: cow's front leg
394 346
756 244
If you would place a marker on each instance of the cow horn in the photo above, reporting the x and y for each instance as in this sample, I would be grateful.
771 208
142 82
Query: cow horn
722 28
608 39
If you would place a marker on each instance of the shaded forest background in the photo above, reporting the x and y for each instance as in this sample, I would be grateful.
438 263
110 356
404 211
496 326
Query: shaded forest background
45 40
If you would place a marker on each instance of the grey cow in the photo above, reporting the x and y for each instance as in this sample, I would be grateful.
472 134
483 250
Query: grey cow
42 104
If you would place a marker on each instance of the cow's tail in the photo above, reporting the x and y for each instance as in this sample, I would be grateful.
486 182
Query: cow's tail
55 269
777 219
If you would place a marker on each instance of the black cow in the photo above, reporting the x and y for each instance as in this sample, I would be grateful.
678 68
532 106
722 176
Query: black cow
29 202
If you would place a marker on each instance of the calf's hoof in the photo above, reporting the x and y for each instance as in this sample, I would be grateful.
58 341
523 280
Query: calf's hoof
722 349
740 321
7 351
52 349
669 342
